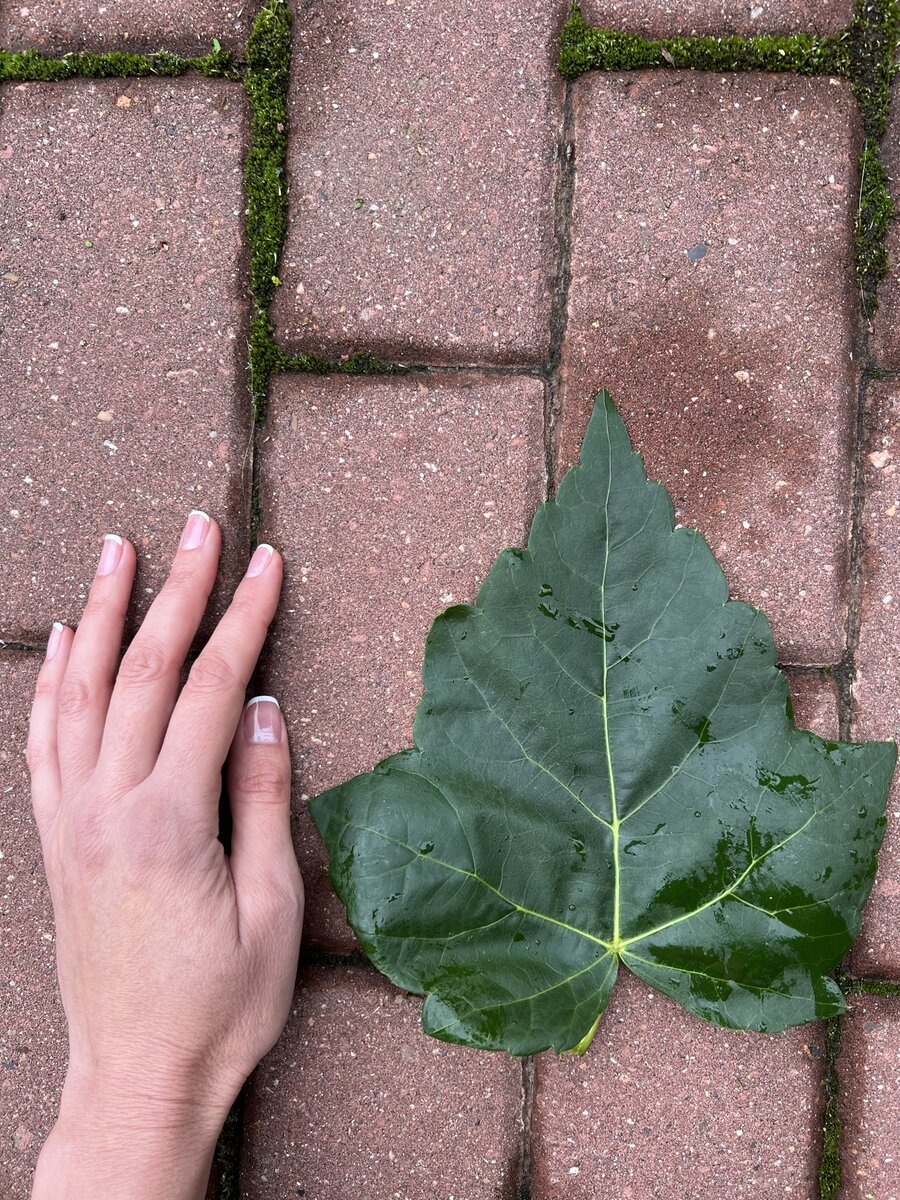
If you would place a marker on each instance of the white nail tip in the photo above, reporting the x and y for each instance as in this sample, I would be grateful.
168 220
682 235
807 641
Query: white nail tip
259 699
113 537
198 512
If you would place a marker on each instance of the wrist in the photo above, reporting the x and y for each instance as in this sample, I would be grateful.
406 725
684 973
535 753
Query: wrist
128 1144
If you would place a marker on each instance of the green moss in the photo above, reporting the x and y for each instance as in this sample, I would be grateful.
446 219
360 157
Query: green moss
872 43
873 987
267 359
266 81
873 218
872 47
30 66
583 48
360 363
830 1166
865 53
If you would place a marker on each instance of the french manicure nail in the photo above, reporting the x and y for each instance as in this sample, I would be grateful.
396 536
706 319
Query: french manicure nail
54 639
195 530
261 557
262 721
110 554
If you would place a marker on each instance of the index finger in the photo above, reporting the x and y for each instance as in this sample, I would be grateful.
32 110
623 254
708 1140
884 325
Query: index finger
206 714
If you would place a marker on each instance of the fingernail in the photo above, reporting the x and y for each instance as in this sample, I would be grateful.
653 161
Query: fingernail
54 639
262 556
262 721
195 531
110 554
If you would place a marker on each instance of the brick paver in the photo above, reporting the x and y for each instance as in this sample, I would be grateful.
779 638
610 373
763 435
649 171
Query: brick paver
671 18
421 166
389 499
877 685
356 1101
712 294
189 26
712 290
869 1067
32 1024
815 701
665 1105
885 342
122 402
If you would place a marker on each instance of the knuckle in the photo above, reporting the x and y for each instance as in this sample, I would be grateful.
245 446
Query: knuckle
75 696
104 607
281 901
45 688
145 661
182 582
245 612
261 783
211 673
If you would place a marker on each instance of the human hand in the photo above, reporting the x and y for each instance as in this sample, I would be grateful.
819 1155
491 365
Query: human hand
176 962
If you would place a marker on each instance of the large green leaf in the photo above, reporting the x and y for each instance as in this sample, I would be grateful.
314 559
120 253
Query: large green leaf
606 772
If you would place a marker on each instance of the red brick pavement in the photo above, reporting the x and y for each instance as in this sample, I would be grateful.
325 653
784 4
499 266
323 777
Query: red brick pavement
870 1072
390 499
421 180
355 1102
33 1049
752 18
188 26
712 295
712 289
876 688
124 311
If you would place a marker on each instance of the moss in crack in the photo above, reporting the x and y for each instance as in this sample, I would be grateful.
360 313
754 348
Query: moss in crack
266 81
872 44
359 363
872 47
267 359
873 219
584 48
830 1165
30 66
872 987
265 189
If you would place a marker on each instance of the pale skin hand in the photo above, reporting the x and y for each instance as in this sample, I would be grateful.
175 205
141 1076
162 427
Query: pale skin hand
176 962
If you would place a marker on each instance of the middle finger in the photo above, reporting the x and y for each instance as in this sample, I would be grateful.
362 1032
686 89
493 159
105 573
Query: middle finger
147 684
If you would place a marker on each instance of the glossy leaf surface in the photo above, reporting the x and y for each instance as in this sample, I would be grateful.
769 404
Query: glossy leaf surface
606 775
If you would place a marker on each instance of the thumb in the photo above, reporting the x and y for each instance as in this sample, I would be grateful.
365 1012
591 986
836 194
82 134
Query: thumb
259 788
